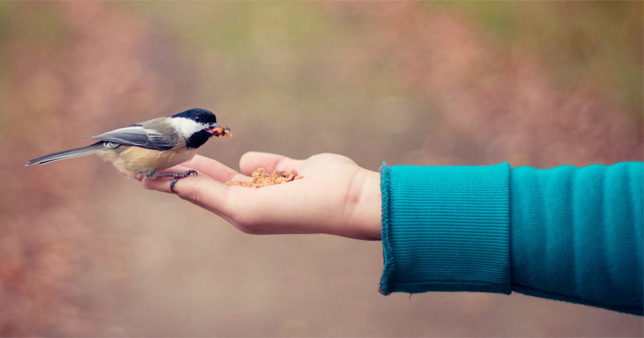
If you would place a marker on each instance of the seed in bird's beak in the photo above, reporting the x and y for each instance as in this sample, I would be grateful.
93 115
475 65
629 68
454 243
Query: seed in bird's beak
219 132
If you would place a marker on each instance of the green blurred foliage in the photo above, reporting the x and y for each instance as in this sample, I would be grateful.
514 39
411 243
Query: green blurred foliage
338 66
6 12
579 42
38 25
295 62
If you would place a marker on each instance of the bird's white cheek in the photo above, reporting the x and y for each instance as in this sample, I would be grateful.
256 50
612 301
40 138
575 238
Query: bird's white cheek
186 127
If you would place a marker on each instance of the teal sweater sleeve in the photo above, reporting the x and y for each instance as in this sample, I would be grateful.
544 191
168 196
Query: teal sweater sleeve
571 234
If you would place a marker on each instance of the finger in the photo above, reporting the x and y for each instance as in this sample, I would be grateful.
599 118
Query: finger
178 169
212 168
163 183
250 161
201 190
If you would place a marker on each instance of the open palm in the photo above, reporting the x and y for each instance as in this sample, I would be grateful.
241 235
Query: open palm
335 197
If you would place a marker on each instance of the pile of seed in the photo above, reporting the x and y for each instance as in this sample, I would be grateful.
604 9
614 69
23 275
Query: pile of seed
263 179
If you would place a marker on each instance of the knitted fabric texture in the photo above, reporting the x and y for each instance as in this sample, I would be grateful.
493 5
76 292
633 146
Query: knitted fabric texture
567 233
445 229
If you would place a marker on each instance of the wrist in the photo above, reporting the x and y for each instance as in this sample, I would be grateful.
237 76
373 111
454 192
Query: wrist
368 209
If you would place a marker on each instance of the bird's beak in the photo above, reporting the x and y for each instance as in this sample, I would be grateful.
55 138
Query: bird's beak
213 127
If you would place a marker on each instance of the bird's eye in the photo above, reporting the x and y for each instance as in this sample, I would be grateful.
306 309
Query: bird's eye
197 118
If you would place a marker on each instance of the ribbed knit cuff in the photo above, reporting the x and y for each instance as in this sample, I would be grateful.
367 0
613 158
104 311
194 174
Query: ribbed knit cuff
445 229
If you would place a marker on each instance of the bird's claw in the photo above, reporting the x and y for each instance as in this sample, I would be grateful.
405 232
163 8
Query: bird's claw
176 177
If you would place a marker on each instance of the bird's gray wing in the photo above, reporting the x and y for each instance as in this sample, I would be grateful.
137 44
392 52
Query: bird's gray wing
139 136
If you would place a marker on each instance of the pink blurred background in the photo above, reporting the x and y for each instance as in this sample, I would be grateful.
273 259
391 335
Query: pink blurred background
86 252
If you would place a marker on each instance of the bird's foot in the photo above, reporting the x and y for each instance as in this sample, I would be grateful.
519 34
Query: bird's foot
176 177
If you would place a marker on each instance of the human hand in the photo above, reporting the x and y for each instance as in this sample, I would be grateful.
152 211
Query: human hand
335 197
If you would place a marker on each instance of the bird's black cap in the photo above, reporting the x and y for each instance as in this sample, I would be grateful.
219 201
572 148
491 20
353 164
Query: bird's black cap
199 115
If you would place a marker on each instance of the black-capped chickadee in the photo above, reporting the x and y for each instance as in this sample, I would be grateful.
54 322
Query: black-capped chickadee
144 149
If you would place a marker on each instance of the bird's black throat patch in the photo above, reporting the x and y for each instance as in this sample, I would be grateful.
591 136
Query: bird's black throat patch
198 139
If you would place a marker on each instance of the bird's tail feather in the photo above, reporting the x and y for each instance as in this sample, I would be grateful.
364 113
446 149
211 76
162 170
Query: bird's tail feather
71 153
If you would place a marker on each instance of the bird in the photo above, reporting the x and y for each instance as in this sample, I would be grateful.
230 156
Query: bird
145 149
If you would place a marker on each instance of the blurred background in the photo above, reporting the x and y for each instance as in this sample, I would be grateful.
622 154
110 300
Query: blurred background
86 252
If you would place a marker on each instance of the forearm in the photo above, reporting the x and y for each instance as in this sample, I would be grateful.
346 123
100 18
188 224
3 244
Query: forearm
577 234
494 229
445 229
